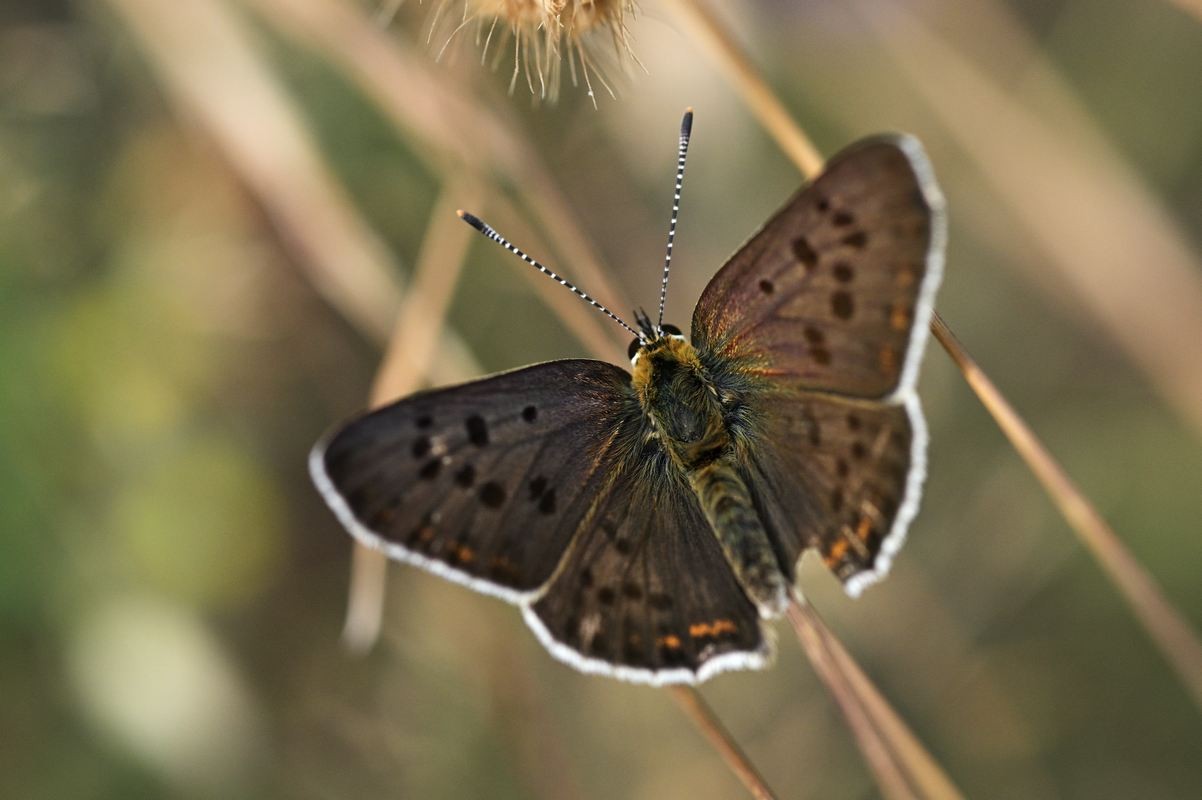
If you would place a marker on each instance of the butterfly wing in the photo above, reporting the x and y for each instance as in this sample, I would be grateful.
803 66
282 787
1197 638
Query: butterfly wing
817 326
483 483
645 593
491 483
834 293
839 475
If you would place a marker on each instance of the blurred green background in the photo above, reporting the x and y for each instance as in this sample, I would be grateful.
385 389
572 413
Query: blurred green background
206 214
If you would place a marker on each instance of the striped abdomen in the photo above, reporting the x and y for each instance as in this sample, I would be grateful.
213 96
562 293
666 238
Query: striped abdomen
727 505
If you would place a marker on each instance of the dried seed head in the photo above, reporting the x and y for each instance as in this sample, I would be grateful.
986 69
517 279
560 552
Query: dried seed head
590 35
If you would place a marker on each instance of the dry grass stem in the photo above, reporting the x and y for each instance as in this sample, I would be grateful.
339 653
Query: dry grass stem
201 53
406 363
1164 623
694 705
908 761
706 28
1088 255
1193 7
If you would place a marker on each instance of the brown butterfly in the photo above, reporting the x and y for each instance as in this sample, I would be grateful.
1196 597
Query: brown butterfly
647 522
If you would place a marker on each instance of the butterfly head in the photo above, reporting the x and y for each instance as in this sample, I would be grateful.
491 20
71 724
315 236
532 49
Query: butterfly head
652 338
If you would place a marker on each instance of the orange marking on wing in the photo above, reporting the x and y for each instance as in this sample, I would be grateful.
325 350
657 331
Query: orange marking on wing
714 628
464 554
906 276
426 534
900 318
888 358
864 527
838 550
670 641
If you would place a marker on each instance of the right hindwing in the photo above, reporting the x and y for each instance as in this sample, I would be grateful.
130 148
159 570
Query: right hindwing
483 483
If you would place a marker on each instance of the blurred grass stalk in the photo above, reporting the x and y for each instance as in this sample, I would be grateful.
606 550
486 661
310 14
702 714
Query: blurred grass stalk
1165 624
403 369
1193 7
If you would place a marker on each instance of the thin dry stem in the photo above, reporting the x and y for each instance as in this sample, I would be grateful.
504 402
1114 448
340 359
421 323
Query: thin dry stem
406 362
920 774
1164 623
1193 7
694 705
755 91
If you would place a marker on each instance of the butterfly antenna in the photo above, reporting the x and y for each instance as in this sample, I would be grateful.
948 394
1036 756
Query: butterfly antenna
488 231
686 130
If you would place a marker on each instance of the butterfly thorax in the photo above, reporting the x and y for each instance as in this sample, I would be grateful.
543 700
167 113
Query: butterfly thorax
681 402
686 412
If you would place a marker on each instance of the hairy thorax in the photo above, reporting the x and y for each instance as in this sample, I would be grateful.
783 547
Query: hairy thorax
682 402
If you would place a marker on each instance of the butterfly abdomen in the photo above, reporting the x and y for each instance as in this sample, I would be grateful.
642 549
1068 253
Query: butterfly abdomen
727 505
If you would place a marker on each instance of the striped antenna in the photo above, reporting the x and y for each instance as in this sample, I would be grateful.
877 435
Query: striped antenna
488 231
686 130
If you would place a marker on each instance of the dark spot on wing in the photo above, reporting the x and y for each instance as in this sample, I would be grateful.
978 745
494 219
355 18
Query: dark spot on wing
430 469
623 546
843 272
530 413
858 450
821 355
492 494
424 421
804 252
853 422
837 499
466 476
547 504
813 335
841 468
823 205
632 591
842 305
606 596
858 240
842 218
766 287
659 601
586 578
537 487
477 430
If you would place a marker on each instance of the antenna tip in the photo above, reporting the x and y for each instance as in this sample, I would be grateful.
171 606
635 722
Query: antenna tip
686 124
470 219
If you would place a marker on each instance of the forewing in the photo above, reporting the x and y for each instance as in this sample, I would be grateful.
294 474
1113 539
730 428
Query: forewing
841 475
483 483
835 292
645 593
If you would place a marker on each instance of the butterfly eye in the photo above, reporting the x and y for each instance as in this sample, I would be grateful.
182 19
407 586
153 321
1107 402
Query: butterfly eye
635 344
671 330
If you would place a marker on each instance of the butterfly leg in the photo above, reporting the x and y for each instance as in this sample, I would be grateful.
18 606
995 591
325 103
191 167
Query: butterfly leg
728 507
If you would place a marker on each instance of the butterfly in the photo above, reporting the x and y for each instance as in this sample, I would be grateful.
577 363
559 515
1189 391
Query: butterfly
649 522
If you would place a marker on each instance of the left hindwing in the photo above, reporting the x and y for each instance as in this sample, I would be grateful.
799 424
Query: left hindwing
483 483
